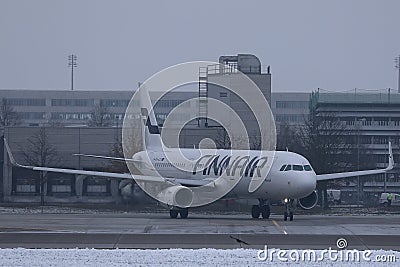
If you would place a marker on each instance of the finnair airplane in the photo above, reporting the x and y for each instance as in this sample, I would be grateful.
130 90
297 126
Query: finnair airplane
288 176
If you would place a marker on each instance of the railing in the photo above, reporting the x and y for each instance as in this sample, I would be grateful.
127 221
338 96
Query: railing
226 69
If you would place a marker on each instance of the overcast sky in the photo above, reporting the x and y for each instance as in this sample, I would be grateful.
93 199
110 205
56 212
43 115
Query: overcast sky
336 45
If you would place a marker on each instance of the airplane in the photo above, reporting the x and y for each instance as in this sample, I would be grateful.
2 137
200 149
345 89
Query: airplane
265 176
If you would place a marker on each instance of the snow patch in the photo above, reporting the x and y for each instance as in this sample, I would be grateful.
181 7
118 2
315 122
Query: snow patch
159 257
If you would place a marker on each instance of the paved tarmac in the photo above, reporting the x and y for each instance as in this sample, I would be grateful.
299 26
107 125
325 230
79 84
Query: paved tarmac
157 230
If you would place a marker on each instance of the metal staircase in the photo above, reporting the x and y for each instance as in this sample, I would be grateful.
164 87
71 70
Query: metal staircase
203 97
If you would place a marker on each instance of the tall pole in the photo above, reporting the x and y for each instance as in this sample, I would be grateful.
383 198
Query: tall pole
358 164
358 124
72 63
397 66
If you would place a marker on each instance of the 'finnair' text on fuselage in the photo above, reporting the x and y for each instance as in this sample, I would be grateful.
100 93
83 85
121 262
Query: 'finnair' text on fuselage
248 166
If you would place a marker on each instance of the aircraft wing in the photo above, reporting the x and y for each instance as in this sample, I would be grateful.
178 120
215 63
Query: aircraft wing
339 175
144 178
117 159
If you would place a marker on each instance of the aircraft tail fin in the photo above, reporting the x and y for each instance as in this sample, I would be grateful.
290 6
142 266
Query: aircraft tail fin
152 132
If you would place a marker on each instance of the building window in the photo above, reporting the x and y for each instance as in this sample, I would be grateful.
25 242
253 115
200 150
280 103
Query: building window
118 116
31 115
26 186
114 102
72 102
60 184
292 104
381 140
70 116
26 101
169 103
96 187
290 118
60 188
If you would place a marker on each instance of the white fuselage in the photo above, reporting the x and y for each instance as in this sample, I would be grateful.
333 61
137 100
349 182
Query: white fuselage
273 180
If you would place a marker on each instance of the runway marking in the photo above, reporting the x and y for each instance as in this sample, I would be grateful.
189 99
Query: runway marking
279 227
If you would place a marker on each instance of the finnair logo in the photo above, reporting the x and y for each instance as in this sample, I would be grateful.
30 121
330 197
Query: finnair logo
241 165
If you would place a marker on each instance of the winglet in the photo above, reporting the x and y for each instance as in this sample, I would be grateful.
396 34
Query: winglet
10 155
391 161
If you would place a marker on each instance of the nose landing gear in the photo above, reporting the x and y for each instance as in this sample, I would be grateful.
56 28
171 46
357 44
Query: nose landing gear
288 210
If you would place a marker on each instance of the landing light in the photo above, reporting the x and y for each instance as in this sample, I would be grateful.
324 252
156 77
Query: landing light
286 200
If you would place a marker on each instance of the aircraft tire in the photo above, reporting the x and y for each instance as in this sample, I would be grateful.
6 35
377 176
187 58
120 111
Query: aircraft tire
291 216
265 211
255 211
285 216
184 213
173 214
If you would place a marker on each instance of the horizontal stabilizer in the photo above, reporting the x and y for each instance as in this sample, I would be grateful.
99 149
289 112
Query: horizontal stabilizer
145 164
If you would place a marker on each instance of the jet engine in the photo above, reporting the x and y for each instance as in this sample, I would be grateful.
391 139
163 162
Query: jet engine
178 196
309 201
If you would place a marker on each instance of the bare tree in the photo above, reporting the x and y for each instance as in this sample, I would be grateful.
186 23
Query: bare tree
39 152
288 138
324 141
132 143
222 140
8 117
99 117
118 166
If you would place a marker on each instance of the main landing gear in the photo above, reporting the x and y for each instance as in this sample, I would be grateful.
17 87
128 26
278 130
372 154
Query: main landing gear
288 210
262 209
173 213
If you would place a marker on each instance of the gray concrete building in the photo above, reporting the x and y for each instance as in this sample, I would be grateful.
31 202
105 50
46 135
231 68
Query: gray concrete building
290 108
370 120
22 185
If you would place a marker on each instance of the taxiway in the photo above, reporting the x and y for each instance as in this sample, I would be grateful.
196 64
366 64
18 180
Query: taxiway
157 230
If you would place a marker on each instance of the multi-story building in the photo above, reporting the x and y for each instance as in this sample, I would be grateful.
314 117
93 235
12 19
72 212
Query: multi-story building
290 108
370 121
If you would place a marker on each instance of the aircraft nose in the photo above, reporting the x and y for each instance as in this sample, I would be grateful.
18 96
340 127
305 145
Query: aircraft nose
310 182
305 185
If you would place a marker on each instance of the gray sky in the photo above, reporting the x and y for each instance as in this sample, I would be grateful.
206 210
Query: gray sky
336 45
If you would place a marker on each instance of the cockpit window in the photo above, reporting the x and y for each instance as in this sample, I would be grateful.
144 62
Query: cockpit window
297 167
307 168
283 167
288 167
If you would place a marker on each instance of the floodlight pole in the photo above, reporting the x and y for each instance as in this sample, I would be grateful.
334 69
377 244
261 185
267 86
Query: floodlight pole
72 63
397 66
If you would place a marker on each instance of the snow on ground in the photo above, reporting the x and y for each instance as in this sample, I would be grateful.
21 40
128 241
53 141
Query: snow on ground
48 209
169 257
